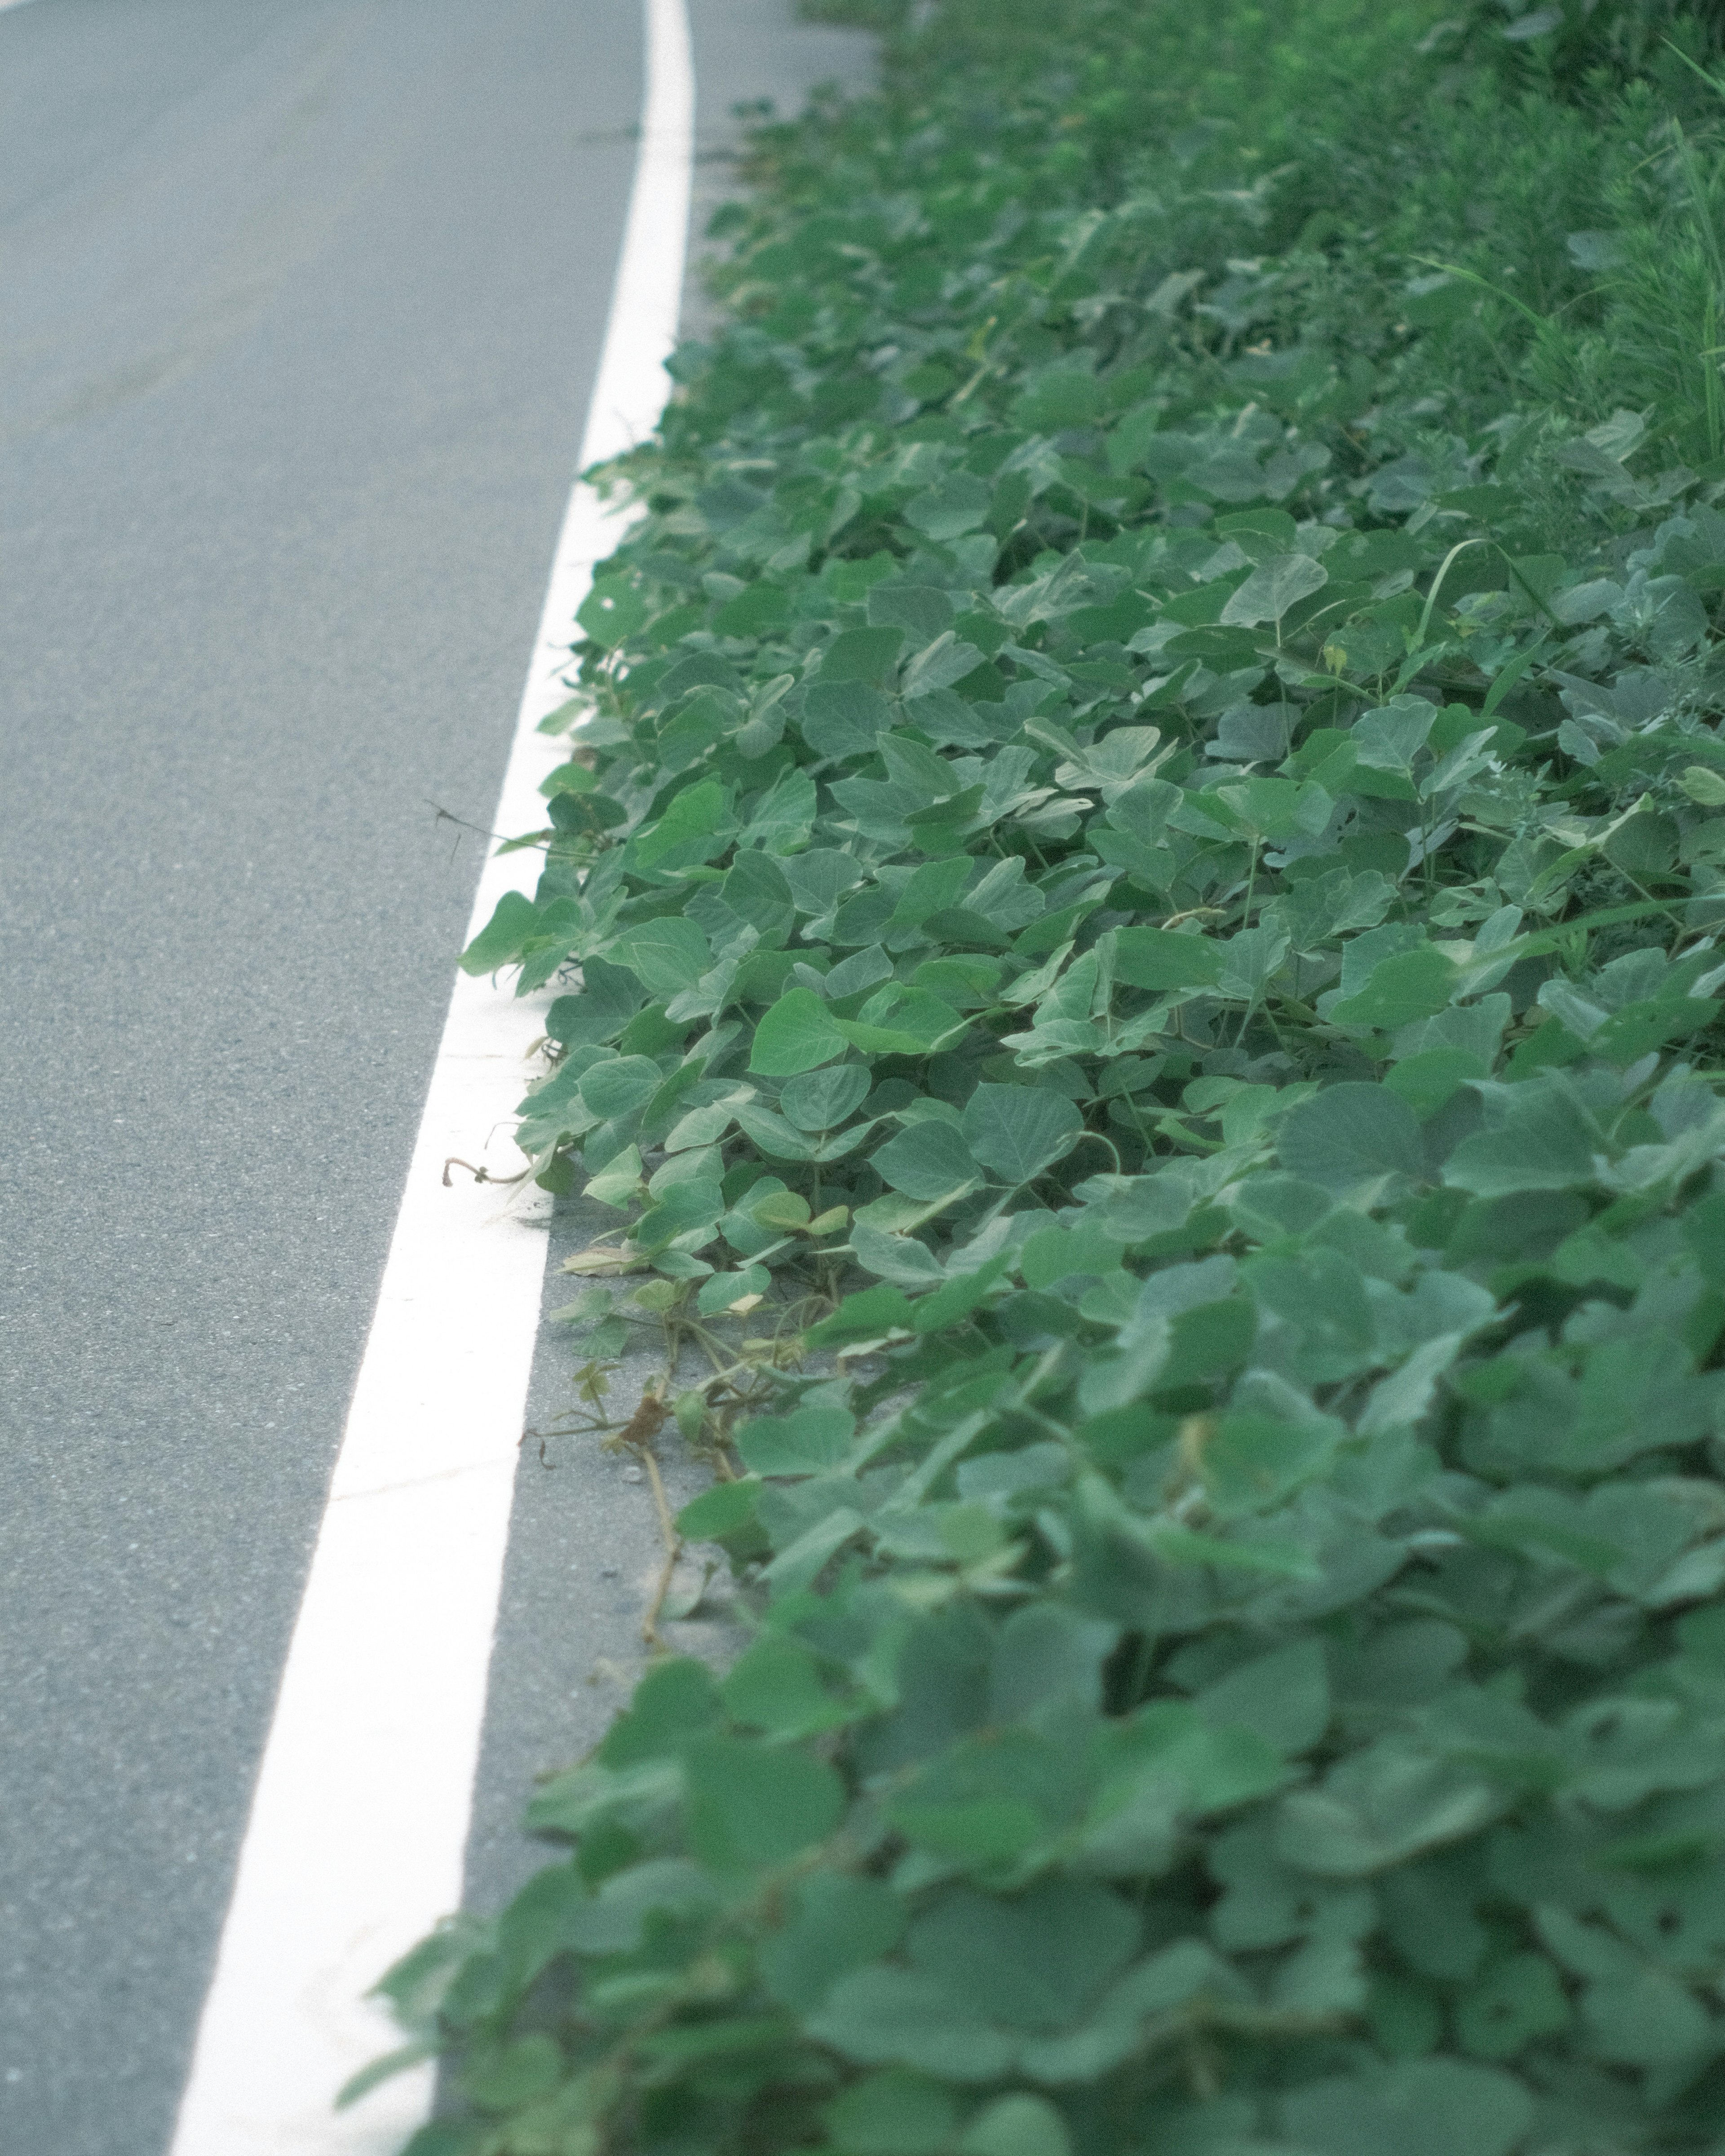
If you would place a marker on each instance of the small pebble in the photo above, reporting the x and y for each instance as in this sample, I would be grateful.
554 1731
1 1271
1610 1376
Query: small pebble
632 1475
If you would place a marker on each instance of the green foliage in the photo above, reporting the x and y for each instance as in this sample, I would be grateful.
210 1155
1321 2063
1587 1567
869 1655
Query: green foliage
1145 865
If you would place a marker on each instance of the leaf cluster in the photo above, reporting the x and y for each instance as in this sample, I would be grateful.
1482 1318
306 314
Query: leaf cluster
1156 891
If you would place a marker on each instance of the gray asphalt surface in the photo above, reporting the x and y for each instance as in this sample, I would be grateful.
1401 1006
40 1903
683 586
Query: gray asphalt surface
302 300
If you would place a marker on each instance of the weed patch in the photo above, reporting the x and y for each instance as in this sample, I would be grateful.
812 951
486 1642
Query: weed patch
1141 846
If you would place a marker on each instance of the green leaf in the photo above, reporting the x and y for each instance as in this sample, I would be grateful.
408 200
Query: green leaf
613 610
892 2113
687 832
875 1312
1333 903
778 1209
756 889
618 1183
1538 1138
775 1137
719 1512
608 998
957 1297
806 1442
1388 740
822 1100
674 1703
945 660
1426 2107
1159 958
1017 1130
837 1922
756 611
1380 1806
1283 1696
1516 1999
501 938
1430 1076
776 1687
684 1213
902 1021
862 654
960 981
970 1831
926 1160
1629 1034
723 1289
958 504
1647 2018
1413 985
886 2015
1060 398
845 718
1349 1136
442 2137
1017 2126
620 1085
1214 1768
1186 1975
1249 960
1056 1254
796 1035
752 1808
1036 1960
1045 1652
1272 589
517 2075
384 2069
1178 1545
665 956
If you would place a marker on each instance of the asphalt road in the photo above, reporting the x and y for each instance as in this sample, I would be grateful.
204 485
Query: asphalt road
302 299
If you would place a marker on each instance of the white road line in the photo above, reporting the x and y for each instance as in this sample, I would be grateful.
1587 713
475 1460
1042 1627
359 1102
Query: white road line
354 1843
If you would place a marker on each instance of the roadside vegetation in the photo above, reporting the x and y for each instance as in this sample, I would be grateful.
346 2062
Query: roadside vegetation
1142 843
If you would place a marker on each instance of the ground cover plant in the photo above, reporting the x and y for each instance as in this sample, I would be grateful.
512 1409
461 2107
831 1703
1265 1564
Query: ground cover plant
1142 853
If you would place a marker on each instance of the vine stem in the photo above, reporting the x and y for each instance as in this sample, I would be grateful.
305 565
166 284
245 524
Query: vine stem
643 1427
481 1174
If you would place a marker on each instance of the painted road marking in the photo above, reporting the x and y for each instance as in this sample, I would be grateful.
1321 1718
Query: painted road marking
355 1842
